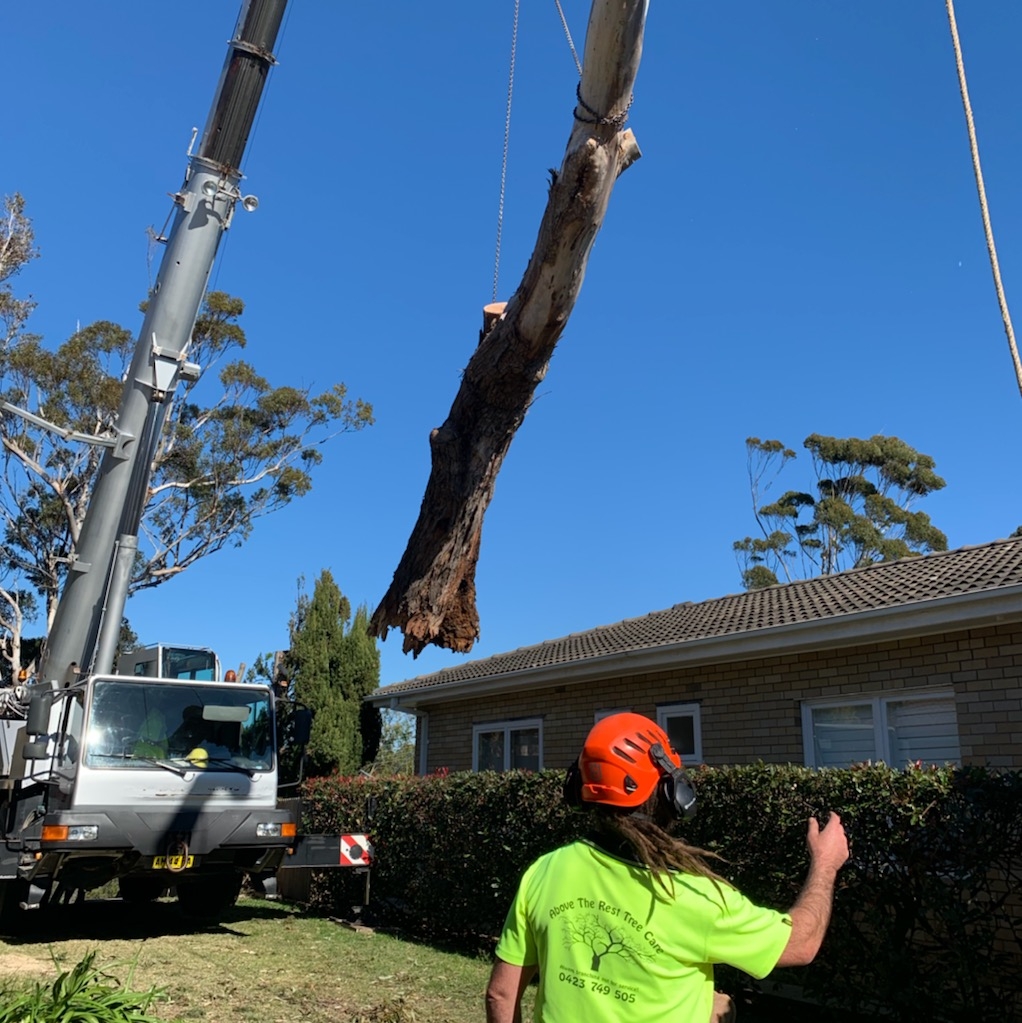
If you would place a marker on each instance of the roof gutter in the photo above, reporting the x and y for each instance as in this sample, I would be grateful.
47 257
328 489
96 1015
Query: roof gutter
963 611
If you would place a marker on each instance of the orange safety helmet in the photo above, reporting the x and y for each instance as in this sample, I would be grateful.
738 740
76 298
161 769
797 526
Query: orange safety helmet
616 765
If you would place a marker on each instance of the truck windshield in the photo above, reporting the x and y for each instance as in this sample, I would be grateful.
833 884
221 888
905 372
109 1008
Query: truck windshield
207 727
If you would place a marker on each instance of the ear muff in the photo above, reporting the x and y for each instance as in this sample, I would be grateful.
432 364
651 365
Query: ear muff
675 787
572 788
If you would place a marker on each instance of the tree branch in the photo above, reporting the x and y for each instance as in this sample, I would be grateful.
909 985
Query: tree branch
432 596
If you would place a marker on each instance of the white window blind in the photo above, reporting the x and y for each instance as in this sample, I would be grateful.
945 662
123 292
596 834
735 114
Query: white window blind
898 729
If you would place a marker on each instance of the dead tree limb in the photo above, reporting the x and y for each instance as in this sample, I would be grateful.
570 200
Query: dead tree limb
432 598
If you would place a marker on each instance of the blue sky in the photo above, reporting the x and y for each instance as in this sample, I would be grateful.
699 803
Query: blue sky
798 251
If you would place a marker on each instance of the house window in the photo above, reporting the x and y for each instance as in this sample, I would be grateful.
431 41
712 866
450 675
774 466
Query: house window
682 724
508 746
898 729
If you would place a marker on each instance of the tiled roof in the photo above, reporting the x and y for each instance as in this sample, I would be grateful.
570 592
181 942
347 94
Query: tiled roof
892 584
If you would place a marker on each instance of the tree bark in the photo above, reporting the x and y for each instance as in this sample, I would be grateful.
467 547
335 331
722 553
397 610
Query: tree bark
432 597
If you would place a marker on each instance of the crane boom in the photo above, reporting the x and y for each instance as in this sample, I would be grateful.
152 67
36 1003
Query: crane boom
87 622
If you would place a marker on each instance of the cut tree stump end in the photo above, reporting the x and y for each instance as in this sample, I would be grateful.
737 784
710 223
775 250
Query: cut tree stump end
491 313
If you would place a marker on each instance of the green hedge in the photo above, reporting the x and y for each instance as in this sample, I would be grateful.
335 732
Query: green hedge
926 926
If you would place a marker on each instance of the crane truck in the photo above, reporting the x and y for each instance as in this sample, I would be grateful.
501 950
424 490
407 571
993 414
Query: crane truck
153 778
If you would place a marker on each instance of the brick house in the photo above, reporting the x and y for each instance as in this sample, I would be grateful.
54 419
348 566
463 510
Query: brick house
919 659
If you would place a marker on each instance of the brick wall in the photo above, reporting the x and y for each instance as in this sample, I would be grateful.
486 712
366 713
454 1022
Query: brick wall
751 710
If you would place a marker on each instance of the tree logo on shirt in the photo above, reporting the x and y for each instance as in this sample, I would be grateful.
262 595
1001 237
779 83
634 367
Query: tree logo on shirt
604 938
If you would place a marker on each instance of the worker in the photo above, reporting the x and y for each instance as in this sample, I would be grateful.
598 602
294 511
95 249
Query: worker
152 735
626 924
192 731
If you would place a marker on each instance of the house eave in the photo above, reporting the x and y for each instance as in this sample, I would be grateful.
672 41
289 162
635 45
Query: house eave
961 611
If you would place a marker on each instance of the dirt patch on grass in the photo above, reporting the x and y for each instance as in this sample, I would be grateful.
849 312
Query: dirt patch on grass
16 964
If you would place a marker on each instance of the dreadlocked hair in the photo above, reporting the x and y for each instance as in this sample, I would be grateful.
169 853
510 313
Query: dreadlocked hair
643 832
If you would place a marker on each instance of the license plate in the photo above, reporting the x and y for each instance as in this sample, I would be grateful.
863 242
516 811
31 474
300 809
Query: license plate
173 862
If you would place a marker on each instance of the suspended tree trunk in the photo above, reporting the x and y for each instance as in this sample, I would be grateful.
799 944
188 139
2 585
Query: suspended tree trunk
432 598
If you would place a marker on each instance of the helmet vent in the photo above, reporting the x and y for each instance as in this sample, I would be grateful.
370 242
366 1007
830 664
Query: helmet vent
623 754
630 784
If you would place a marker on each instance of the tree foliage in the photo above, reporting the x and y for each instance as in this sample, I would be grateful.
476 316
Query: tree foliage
17 249
396 754
860 510
332 663
233 448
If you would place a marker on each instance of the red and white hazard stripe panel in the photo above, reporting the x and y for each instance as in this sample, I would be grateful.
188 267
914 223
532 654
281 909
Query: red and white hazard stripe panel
356 851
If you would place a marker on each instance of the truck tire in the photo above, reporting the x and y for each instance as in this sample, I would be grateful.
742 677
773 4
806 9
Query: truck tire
208 897
138 890
12 916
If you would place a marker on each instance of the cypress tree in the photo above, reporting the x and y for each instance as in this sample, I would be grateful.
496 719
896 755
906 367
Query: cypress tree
332 666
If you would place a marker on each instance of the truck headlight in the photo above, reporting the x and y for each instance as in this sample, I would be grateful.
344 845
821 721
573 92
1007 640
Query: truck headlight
268 830
70 832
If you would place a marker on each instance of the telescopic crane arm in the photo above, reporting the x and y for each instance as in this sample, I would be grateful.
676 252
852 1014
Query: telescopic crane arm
83 637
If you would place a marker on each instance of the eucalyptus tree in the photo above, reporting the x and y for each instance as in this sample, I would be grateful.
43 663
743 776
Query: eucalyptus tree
233 448
858 509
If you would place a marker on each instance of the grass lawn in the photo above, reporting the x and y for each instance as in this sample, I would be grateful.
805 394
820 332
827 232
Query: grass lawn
265 962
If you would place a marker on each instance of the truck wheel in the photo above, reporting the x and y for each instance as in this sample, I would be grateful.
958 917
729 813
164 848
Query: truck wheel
140 889
12 891
208 897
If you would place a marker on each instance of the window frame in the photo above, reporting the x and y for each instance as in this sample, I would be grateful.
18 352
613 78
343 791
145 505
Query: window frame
687 709
879 703
508 726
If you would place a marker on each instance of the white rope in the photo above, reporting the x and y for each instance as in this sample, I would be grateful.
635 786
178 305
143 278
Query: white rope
1002 301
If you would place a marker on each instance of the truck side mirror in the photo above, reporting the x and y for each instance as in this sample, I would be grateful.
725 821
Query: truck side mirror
38 718
302 723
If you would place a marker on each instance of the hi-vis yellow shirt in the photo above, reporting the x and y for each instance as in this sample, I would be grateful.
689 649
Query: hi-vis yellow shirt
612 946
